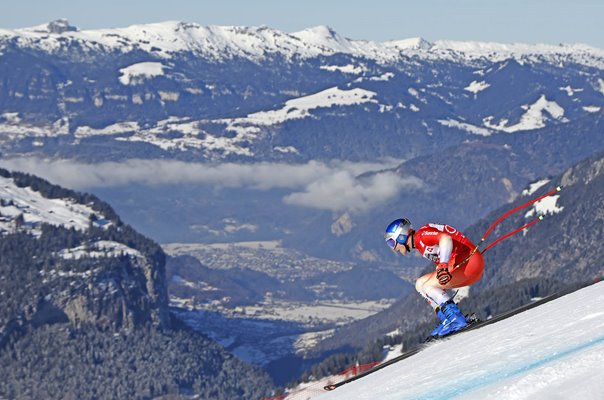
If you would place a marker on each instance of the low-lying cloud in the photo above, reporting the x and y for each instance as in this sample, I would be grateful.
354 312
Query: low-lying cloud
343 191
330 186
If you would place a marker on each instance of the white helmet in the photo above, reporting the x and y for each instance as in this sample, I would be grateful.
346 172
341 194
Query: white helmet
397 232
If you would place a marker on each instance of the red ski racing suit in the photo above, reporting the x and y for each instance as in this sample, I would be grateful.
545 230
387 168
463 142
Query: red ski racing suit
446 247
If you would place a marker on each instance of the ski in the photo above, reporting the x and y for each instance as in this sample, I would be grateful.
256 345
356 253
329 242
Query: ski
472 326
471 320
376 368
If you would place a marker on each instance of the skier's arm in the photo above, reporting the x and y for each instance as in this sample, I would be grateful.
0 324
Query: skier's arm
445 244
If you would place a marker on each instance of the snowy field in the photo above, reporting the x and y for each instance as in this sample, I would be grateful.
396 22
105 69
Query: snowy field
555 351
36 209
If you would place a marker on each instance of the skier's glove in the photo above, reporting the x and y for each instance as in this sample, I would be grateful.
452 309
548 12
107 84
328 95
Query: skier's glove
442 274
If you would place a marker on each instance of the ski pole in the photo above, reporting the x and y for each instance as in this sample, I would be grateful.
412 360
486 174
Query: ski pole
513 233
504 216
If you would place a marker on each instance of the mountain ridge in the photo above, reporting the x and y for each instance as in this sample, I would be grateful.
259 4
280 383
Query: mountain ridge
175 36
157 90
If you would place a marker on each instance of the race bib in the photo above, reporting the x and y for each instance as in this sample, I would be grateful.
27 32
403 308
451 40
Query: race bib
432 253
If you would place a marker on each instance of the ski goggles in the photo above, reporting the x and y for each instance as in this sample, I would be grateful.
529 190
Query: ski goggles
392 243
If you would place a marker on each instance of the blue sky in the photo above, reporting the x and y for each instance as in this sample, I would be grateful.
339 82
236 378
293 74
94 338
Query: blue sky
528 21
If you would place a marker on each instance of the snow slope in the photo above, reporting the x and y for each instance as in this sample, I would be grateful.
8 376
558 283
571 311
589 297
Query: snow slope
37 209
554 351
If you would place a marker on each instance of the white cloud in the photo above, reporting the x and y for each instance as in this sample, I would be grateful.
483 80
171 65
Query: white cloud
79 175
330 186
342 191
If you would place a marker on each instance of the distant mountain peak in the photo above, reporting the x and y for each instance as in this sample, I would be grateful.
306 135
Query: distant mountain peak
60 26
57 26
324 31
416 43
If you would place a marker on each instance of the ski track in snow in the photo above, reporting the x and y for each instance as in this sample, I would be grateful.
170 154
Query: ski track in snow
552 351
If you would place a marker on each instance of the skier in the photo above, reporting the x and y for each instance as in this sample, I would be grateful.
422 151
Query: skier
446 247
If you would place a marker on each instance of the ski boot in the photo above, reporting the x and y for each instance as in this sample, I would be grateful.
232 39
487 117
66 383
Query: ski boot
452 319
442 318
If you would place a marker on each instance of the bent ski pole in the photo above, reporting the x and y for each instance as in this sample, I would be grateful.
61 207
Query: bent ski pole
504 216
513 232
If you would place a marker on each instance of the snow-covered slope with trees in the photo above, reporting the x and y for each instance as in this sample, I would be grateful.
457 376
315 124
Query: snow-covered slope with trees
22 208
552 351
246 93
83 295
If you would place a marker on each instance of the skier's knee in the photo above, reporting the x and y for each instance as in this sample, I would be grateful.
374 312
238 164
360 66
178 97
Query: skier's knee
419 284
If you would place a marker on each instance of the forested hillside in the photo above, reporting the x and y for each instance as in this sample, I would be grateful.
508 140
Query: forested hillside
84 309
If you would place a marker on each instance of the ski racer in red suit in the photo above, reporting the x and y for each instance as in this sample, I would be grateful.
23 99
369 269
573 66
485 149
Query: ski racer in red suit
446 247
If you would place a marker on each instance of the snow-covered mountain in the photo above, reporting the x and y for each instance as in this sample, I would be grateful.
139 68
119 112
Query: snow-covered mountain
222 43
254 93
70 230
552 351
513 113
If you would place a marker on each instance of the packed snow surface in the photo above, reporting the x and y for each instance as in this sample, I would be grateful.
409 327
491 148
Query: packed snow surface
554 351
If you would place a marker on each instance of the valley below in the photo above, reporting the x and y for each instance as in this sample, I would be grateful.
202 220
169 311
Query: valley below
276 330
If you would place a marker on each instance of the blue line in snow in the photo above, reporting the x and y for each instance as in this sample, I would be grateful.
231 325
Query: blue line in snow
495 376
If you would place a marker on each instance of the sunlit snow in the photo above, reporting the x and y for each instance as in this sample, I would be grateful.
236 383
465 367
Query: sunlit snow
533 118
113 129
137 73
570 91
552 351
12 127
592 109
465 126
286 149
533 187
384 77
99 249
476 86
298 108
545 206
37 209
256 43
346 69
